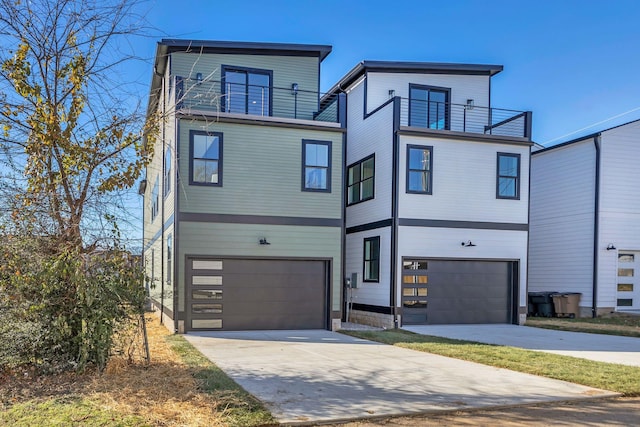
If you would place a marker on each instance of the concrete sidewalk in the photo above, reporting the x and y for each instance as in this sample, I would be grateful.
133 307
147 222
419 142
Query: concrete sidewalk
322 376
598 347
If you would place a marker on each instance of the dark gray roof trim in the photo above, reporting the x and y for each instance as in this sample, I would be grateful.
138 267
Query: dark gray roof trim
414 67
582 138
215 46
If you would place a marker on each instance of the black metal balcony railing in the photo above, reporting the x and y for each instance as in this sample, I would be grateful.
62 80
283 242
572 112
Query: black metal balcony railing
213 96
465 118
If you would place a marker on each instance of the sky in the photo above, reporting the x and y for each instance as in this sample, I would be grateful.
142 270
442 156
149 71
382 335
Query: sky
574 64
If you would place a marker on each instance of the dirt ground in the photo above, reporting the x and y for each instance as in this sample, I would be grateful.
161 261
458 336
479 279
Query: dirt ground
608 412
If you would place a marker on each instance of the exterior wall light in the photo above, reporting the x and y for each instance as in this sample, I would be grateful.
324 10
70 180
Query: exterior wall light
467 244
610 247
294 88
263 241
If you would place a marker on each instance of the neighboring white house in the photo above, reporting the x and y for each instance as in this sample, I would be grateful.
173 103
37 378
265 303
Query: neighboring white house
585 220
437 196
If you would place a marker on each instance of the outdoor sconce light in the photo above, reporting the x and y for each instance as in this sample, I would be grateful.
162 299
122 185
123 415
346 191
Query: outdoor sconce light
294 88
470 104
263 241
467 244
392 93
610 247
199 78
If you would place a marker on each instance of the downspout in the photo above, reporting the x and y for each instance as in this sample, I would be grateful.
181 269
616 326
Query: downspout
342 119
394 210
596 229
162 260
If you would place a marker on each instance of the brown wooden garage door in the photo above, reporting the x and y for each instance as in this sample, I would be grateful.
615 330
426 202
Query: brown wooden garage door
458 291
250 294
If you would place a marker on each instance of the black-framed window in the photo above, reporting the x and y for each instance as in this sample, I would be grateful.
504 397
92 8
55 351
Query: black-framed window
316 165
419 169
247 90
205 155
361 180
429 106
371 259
508 176
155 200
167 172
169 258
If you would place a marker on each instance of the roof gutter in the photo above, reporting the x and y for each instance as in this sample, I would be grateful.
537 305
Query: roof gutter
596 228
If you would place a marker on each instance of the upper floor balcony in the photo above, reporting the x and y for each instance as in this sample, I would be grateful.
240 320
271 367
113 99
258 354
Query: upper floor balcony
467 118
256 100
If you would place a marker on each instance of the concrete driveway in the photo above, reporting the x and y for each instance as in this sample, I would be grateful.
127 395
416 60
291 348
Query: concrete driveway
321 376
602 348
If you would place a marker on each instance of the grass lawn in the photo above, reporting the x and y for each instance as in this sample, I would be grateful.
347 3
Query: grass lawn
607 376
180 387
620 324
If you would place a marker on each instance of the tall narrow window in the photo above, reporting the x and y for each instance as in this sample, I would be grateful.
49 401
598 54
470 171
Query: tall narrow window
155 200
316 165
419 169
508 176
169 258
206 158
360 180
372 259
246 91
167 171
429 107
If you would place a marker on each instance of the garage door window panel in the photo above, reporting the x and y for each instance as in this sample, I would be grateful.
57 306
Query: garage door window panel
206 294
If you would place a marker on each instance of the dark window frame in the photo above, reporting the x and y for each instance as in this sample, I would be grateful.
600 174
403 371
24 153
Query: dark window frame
169 259
517 178
247 71
372 240
447 103
167 172
155 199
192 134
409 170
361 180
304 187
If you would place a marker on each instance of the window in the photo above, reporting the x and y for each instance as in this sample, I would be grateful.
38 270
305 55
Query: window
372 259
360 183
626 258
167 171
155 200
246 91
429 107
625 302
625 287
206 158
625 272
316 165
508 176
169 258
419 169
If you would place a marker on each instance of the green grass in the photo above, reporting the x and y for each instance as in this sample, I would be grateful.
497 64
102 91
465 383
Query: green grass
240 408
68 411
618 378
628 326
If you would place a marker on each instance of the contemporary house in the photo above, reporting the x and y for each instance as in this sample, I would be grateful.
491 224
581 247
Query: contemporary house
585 220
243 201
437 195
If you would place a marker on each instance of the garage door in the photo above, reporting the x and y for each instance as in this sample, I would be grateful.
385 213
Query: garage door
249 294
457 291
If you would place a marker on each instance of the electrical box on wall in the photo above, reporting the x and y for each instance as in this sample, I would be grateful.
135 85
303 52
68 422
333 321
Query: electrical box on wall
354 280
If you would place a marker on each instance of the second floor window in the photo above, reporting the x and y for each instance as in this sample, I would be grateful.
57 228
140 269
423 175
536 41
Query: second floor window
419 169
316 165
246 91
155 200
167 171
508 176
206 158
360 184
429 107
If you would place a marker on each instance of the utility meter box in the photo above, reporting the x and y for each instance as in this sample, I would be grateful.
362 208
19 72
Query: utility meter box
352 282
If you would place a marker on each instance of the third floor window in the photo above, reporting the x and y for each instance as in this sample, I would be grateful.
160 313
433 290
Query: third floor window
429 107
246 91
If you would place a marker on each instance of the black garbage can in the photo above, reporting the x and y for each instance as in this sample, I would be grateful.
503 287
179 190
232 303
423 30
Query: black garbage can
542 303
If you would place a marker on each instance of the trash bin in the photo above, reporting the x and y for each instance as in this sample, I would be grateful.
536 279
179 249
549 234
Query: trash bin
567 304
542 303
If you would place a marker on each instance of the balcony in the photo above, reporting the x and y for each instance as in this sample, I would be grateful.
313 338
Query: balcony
465 118
253 100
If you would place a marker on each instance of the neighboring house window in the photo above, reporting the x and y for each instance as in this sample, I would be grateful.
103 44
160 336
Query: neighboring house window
167 171
316 165
246 90
169 258
206 158
508 176
155 200
360 183
372 259
429 107
419 169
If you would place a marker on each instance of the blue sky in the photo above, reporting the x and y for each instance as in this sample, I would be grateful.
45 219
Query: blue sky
573 63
